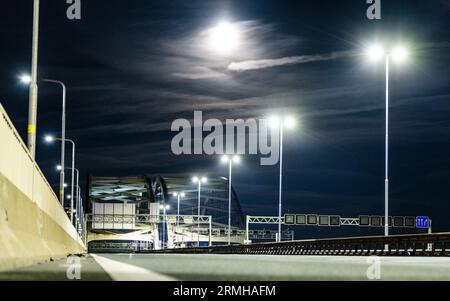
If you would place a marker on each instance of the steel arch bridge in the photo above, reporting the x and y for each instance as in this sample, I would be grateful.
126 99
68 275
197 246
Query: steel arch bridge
126 210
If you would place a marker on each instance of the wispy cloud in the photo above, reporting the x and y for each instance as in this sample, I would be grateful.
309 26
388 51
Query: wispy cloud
270 63
199 72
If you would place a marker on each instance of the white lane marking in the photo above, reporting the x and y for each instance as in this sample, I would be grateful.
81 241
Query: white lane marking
120 271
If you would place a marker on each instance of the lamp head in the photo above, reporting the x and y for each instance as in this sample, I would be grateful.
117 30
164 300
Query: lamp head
375 52
399 53
49 138
25 79
289 122
274 121
236 159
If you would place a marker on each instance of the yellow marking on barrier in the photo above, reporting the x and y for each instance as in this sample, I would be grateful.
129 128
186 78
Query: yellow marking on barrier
31 128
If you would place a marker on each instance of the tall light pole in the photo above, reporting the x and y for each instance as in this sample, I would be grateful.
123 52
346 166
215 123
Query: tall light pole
77 186
32 136
178 196
199 182
230 160
50 139
32 104
164 208
288 123
398 54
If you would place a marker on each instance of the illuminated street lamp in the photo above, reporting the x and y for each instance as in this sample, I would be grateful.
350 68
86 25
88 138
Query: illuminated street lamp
178 196
50 139
199 181
288 123
32 80
398 54
230 160
164 208
77 192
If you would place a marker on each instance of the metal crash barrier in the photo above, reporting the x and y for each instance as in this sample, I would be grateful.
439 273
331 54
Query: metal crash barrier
396 245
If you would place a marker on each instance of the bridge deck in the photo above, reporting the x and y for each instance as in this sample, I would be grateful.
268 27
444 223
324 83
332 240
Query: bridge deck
237 267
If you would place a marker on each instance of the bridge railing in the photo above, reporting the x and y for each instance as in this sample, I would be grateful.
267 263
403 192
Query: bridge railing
396 245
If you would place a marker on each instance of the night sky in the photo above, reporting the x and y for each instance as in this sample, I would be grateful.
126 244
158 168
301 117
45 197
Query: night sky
132 67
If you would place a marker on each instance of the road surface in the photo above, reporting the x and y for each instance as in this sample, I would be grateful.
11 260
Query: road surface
161 267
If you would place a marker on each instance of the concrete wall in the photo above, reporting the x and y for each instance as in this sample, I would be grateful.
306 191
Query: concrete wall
33 225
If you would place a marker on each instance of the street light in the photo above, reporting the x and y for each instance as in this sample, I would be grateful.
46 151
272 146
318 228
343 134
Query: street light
50 139
199 181
230 160
178 196
398 54
288 122
164 208
33 90
32 115
77 192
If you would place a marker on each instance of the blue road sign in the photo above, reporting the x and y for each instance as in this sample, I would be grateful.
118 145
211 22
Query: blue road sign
422 222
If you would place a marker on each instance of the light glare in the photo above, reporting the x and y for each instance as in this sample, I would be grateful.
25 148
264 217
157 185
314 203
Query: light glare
375 52
399 54
25 79
289 122
274 121
49 138
224 37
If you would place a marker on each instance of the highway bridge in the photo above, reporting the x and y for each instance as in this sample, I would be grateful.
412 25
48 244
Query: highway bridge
38 241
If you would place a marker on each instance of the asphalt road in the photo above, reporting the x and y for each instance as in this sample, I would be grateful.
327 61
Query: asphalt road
161 267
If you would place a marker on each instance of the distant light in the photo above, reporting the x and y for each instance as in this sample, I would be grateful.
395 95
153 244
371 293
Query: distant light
161 207
25 79
58 167
274 121
289 122
195 179
236 159
375 52
175 194
167 207
49 138
69 197
225 159
224 37
204 179
65 185
399 54
182 194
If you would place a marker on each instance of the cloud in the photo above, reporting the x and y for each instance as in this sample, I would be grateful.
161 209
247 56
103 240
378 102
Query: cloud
199 73
270 63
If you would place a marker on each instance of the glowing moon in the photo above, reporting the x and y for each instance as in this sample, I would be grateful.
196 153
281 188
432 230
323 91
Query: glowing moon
223 38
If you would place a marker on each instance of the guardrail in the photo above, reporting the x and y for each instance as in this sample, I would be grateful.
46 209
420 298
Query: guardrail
396 245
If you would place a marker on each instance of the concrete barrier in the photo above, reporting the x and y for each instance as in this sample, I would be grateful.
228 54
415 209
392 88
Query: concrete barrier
33 225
